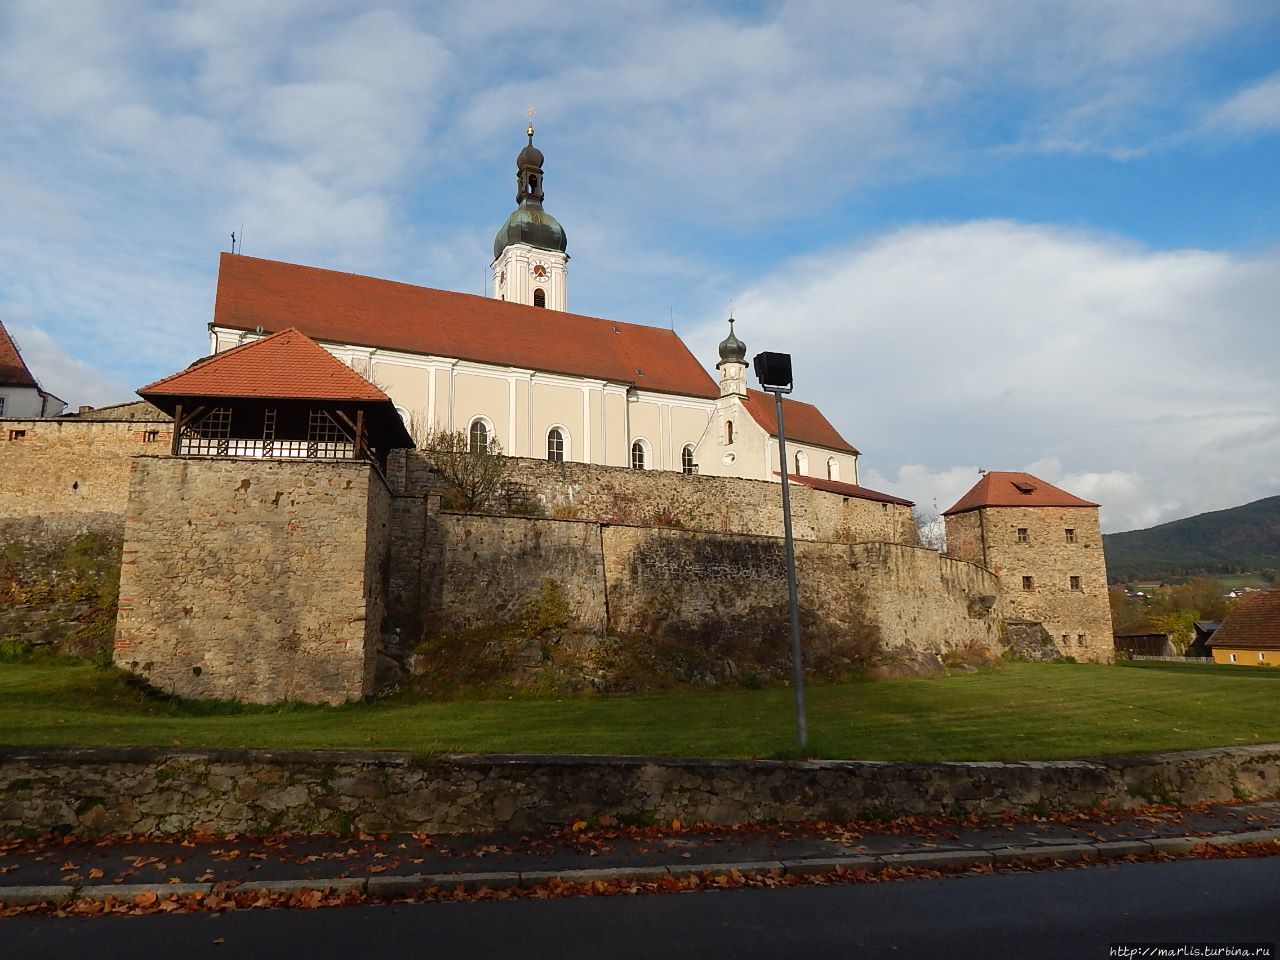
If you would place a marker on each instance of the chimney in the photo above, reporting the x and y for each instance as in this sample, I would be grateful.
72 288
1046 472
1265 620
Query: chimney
84 408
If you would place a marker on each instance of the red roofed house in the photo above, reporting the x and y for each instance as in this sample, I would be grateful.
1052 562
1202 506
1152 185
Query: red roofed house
1251 633
1046 546
20 394
517 368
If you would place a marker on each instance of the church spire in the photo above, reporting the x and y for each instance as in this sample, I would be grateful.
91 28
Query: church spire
529 258
732 365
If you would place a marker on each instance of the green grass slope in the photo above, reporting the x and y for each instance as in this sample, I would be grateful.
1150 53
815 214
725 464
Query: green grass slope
1018 711
1240 540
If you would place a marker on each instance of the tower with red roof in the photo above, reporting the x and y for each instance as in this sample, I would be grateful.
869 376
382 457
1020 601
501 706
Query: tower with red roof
1046 546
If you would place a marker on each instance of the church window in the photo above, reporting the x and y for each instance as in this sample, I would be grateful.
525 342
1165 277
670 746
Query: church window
1075 583
1022 534
1028 583
539 297
802 463
555 445
1071 535
686 459
833 468
479 439
639 458
728 431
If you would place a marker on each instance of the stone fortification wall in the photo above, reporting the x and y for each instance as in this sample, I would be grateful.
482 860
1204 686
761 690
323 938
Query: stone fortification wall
146 790
712 602
254 580
671 499
73 467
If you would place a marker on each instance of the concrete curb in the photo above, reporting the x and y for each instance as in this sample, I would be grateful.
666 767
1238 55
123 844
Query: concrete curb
395 886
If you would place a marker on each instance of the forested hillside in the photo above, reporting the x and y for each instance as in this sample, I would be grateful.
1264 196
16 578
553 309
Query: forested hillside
1240 540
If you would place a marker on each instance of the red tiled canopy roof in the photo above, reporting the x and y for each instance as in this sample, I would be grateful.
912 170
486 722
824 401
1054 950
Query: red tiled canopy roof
347 308
284 366
1253 625
1011 489
804 422
846 489
13 370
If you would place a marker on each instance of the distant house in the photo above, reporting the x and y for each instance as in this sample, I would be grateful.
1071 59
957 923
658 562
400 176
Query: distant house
1143 645
21 397
1251 633
1205 629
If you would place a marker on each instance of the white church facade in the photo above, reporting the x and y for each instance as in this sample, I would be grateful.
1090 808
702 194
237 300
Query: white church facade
518 368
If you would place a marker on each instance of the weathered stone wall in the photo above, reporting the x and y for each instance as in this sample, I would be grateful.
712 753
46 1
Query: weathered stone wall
147 790
73 466
59 580
1078 619
487 570
705 603
253 579
672 499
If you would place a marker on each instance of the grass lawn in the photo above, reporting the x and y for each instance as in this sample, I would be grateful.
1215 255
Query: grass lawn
1028 711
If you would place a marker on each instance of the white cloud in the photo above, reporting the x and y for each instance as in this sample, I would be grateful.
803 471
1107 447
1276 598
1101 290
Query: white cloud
1144 379
1257 107
63 375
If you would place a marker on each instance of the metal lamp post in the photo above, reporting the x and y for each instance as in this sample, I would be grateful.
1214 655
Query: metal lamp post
773 370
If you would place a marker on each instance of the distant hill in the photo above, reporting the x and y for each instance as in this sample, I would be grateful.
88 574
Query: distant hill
1240 540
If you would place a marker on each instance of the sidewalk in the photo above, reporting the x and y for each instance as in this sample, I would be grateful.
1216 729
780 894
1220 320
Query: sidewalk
392 865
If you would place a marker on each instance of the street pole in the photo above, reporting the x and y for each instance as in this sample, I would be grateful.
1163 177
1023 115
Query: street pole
797 663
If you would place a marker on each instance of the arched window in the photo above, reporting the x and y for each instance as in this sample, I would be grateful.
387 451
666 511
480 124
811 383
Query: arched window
686 459
480 436
555 445
833 468
639 455
802 463
539 297
728 431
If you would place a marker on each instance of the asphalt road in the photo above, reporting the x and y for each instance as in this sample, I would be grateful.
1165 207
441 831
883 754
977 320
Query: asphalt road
1072 914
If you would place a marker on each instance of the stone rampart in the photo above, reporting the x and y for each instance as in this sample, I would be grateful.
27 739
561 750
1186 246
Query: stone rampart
717 597
95 792
73 467
667 498
254 580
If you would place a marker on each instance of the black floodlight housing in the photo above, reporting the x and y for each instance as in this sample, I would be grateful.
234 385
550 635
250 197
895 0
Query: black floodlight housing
773 370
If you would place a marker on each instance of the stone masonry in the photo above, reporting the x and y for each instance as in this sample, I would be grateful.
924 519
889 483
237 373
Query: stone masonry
95 792
57 467
663 498
1051 569
254 580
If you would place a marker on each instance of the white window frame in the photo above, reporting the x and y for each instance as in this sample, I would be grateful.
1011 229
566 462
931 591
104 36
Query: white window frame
646 451
488 426
566 446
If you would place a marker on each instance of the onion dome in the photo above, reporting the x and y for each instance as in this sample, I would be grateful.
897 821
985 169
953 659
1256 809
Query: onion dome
529 223
732 350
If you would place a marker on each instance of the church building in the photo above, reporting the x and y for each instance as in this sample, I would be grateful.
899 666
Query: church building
517 369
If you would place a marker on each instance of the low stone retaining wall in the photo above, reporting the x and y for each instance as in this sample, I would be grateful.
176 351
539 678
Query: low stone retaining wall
95 792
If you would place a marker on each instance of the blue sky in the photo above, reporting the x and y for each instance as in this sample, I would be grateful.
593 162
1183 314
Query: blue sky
994 234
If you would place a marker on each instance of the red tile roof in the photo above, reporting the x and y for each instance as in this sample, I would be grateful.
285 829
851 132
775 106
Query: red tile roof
13 370
1010 489
347 308
284 366
1253 625
846 489
804 422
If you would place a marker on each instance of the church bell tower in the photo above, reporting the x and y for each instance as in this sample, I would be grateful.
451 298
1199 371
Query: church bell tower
530 264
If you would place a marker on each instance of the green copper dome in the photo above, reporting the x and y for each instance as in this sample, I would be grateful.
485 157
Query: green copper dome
732 350
530 224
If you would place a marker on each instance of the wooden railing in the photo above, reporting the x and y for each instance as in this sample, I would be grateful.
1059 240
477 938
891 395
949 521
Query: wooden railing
189 446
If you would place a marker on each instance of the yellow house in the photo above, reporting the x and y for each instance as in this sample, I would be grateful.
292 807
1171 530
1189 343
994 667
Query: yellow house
1250 635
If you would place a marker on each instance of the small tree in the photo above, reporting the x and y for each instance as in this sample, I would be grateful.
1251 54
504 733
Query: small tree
473 476
930 530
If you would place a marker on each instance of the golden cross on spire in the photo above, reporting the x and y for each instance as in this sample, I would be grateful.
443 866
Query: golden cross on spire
529 113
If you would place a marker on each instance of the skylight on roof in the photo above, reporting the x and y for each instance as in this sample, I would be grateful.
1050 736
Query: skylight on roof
1024 488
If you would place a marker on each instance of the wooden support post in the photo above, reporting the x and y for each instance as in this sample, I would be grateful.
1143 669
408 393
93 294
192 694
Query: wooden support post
177 430
359 433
